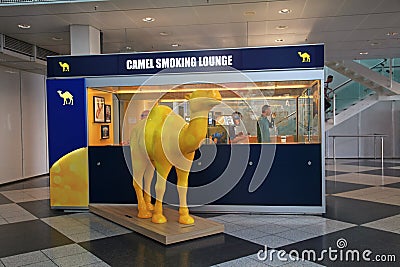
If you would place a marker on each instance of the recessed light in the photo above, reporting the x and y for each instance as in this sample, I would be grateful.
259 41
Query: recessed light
363 53
392 33
285 11
10 71
56 38
24 26
163 33
249 13
175 45
128 48
148 19
374 43
279 40
281 27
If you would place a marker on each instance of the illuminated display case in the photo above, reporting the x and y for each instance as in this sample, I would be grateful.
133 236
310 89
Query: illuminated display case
294 118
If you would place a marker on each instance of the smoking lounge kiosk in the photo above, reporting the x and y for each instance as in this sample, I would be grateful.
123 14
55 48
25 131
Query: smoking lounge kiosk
94 101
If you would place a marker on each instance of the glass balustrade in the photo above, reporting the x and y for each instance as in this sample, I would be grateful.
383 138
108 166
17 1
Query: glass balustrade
349 92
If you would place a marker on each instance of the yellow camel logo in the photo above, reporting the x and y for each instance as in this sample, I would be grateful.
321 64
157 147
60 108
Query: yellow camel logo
64 66
66 96
305 56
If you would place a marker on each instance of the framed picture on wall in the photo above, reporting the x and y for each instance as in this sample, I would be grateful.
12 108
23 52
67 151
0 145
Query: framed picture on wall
98 110
107 113
105 131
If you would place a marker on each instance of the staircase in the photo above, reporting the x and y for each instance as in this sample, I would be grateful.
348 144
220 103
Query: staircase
365 76
377 88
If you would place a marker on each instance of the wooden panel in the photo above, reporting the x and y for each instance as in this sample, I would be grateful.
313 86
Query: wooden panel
167 233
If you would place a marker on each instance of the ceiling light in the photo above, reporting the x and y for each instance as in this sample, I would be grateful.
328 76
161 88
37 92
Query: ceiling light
249 13
175 45
128 47
285 11
374 43
279 40
148 19
163 33
10 71
392 33
55 38
281 27
24 26
363 53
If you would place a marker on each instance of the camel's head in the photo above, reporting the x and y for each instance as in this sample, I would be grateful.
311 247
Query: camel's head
201 100
59 91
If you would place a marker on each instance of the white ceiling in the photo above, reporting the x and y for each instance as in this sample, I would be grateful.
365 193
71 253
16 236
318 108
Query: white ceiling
347 27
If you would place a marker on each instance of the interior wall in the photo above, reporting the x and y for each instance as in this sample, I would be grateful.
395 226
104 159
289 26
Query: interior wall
34 124
381 118
23 131
10 126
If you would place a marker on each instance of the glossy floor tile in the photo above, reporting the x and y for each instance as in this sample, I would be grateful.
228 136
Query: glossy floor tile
4 200
395 185
12 213
25 195
42 181
82 227
357 211
373 163
391 172
136 250
355 239
334 187
333 173
379 194
23 237
68 255
41 208
349 168
390 224
362 178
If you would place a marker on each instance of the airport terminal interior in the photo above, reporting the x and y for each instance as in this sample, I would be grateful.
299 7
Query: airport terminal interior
352 219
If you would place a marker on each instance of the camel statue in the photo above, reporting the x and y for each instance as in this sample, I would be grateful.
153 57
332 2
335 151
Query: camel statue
66 96
164 140
64 66
305 56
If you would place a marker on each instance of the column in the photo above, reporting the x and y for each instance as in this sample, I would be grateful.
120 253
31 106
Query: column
85 40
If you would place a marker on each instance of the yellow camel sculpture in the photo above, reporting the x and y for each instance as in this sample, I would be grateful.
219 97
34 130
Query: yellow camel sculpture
66 96
64 66
305 56
164 140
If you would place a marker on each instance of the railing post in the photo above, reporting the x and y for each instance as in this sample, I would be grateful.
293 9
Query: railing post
391 72
334 109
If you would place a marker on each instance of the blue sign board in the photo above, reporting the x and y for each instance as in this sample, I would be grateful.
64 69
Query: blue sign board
260 58
67 117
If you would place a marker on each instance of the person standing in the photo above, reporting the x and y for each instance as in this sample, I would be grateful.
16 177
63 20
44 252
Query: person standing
327 92
264 124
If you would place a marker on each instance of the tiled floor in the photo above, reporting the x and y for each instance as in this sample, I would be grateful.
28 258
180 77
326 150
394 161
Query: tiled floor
363 212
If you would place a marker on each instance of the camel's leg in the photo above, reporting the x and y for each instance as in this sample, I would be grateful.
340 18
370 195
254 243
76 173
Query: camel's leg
182 185
148 177
138 171
163 169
